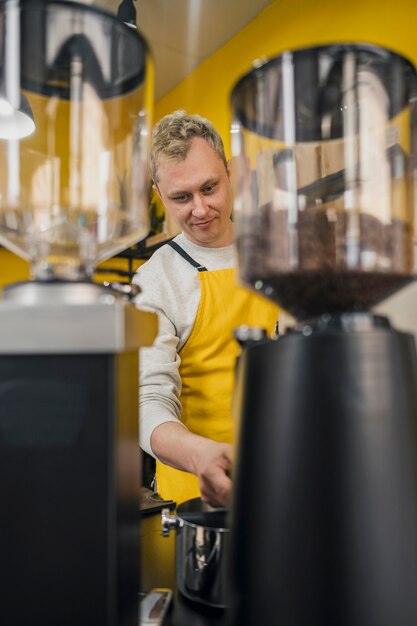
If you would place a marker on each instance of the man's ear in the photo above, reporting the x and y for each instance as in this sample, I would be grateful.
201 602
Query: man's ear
156 189
230 168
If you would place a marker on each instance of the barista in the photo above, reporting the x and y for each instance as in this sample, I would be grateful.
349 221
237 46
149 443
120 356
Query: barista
186 377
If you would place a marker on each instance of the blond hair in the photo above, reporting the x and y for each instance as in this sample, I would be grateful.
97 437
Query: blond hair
172 136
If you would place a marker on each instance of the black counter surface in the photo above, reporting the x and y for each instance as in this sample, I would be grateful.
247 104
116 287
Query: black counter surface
158 570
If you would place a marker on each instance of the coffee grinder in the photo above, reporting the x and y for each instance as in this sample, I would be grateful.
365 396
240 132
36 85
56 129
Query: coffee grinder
325 500
76 94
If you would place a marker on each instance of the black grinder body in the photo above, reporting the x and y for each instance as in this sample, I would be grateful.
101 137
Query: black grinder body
69 490
325 503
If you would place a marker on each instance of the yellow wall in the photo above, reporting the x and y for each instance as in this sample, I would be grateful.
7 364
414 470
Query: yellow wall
117 263
290 24
13 269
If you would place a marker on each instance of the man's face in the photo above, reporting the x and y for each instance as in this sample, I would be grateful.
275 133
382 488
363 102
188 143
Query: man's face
197 193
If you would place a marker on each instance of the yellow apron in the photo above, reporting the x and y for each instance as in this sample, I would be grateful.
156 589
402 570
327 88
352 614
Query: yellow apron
208 365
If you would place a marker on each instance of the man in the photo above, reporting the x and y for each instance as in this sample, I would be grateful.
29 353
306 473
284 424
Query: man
186 377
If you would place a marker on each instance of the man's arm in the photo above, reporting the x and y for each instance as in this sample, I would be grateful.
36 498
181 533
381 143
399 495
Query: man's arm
159 380
209 460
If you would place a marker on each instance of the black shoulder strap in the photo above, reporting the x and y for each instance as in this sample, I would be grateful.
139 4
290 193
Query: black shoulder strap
186 256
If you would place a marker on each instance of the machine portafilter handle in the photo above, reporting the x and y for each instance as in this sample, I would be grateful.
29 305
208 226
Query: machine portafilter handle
247 336
128 291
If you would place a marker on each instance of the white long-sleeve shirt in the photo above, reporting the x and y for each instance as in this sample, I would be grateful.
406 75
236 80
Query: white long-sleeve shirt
170 287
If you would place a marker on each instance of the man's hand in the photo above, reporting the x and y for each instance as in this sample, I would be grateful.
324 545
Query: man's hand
209 460
213 467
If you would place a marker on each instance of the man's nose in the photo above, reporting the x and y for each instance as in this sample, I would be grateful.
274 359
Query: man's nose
200 206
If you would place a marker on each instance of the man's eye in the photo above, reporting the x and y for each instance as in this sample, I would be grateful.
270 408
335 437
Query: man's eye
182 198
209 189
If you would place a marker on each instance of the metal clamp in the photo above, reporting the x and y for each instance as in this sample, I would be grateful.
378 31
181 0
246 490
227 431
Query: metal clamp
169 522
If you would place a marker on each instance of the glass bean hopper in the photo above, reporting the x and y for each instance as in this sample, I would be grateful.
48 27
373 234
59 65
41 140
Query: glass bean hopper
323 141
73 183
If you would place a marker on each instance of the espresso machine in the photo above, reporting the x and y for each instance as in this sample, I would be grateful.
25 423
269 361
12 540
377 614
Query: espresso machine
75 104
324 515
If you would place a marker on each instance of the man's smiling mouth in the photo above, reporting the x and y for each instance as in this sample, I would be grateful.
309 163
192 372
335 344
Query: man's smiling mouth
206 223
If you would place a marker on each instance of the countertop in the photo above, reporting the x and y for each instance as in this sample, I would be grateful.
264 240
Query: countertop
158 570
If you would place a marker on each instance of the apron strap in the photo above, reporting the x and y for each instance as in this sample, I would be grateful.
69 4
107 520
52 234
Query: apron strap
186 256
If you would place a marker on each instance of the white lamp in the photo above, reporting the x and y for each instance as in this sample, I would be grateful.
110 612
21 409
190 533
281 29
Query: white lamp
16 123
